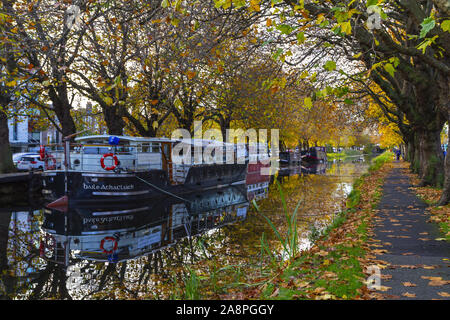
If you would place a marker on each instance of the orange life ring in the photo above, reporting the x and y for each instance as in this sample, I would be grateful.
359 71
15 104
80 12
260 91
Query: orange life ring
41 152
102 243
106 155
51 167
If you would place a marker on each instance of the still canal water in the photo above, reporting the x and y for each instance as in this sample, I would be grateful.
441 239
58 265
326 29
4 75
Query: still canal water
164 249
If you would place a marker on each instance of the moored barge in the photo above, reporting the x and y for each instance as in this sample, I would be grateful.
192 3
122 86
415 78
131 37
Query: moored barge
104 168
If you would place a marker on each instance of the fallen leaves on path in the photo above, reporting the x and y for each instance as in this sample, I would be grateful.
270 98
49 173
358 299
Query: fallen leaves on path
409 284
409 295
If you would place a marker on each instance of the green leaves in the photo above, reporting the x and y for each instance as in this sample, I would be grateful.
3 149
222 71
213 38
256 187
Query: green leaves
389 68
285 29
426 26
371 3
426 43
307 102
277 54
300 37
346 27
445 25
330 65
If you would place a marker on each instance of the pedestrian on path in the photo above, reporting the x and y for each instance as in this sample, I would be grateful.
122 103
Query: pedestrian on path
398 153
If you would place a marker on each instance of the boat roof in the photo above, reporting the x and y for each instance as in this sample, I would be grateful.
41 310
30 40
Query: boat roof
202 142
126 138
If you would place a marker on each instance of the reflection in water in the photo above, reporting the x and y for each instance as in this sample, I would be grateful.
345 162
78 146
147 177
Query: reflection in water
140 251
124 233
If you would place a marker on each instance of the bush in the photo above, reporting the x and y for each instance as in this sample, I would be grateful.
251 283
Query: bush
378 162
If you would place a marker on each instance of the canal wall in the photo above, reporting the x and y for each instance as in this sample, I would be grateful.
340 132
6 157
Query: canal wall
20 188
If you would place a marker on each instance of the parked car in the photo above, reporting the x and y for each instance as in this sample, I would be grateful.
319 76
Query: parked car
30 162
16 156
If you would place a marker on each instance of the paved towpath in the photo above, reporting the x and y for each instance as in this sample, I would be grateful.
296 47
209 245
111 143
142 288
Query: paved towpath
418 265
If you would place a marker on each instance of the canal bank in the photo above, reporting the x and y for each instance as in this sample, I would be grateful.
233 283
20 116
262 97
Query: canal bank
20 188
335 267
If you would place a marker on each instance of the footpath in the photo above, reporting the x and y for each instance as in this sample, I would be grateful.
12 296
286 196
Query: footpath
413 256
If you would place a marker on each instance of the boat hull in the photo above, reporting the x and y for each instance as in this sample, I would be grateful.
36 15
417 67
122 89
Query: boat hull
94 187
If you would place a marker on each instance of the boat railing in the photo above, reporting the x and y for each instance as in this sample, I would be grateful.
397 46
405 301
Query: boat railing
100 157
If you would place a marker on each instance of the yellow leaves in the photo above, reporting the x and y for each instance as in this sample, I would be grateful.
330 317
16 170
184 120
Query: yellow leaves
109 101
346 27
409 295
444 294
268 22
254 5
12 83
382 288
409 284
307 102
436 281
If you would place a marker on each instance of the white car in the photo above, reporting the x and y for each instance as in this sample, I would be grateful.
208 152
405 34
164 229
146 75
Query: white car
16 156
30 162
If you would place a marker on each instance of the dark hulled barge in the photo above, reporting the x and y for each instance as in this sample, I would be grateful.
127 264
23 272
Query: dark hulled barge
105 168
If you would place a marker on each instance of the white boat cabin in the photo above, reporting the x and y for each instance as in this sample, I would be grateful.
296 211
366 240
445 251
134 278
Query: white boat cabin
132 153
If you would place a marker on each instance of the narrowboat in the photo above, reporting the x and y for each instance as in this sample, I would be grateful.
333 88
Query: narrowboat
123 232
314 168
290 159
258 172
314 155
122 168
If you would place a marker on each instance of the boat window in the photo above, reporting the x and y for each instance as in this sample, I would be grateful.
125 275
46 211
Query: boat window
123 149
145 148
150 148
96 150
284 155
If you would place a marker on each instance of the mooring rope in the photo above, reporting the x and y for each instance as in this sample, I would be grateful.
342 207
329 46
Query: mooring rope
162 190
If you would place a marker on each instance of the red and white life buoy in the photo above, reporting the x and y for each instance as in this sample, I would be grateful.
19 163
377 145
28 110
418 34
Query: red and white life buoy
47 244
114 247
106 155
52 159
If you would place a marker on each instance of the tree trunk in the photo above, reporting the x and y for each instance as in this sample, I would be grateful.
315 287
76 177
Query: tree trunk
224 126
410 150
5 220
6 163
415 163
431 158
62 107
114 120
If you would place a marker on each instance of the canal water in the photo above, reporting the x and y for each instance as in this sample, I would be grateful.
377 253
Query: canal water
165 248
